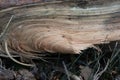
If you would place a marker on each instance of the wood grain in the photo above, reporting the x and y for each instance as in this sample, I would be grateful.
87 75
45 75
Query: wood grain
60 28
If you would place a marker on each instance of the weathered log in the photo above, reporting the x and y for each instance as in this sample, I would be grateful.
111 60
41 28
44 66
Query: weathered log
60 27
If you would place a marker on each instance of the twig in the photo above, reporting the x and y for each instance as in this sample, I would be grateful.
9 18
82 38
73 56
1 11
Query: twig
66 71
114 50
7 51
97 68
114 56
97 76
75 61
6 27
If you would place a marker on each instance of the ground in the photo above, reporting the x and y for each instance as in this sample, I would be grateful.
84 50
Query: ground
90 64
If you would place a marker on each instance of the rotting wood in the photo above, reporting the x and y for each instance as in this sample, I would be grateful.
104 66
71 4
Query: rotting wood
60 27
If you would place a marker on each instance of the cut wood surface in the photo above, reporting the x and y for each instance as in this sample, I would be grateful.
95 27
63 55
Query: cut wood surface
60 27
